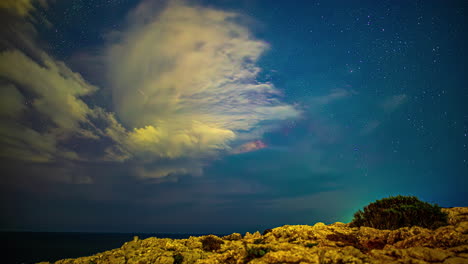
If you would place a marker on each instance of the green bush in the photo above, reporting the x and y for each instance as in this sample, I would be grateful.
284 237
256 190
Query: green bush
258 241
400 211
309 245
178 258
211 243
255 252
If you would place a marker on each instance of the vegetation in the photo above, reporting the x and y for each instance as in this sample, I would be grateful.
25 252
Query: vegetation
178 258
211 243
400 211
258 241
255 252
309 245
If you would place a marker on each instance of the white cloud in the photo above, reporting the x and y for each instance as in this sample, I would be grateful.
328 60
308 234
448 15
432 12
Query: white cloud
55 87
184 83
391 103
334 95
40 96
53 91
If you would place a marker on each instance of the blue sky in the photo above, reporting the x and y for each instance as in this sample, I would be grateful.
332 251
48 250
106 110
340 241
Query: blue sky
227 116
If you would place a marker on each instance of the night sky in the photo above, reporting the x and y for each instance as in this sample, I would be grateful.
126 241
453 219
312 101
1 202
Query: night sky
227 116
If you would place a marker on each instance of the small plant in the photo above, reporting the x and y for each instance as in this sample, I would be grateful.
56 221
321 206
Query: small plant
400 211
211 243
178 258
256 252
309 245
258 241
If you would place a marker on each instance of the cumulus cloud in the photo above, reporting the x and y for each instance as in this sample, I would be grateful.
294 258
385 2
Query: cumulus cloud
52 92
39 95
391 103
184 84
55 87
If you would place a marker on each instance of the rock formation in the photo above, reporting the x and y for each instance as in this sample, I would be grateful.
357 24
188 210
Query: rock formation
301 244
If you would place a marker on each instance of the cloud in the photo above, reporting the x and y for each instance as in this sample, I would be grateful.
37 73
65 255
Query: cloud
184 84
249 147
391 103
19 26
11 101
23 143
20 8
334 95
55 87
48 92
40 104
369 127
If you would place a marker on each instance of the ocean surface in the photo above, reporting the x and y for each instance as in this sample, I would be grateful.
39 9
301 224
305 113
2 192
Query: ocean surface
33 247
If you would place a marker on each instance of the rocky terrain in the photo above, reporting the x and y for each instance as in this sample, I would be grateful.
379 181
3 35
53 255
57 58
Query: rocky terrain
302 244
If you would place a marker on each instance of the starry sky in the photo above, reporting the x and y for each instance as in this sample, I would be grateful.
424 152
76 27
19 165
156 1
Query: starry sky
227 116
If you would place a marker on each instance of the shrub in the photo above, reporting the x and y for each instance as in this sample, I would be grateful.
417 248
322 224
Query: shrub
258 241
310 245
178 258
255 252
400 211
211 243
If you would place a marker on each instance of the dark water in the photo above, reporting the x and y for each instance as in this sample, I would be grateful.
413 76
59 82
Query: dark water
32 247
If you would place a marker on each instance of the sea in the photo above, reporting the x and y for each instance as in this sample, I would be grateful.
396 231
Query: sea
33 247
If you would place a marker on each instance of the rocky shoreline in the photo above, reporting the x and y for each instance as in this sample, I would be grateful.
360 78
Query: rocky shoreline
302 244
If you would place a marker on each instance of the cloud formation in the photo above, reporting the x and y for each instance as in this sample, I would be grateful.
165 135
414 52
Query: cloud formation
249 147
370 127
41 98
391 103
184 83
334 95
55 87
49 92
11 101
20 8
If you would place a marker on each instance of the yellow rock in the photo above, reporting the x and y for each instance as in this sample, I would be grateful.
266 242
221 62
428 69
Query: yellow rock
456 260
305 244
429 254
462 227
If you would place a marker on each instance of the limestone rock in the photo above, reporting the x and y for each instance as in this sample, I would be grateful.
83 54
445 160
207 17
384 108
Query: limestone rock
456 214
429 254
233 236
303 244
